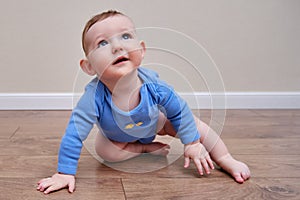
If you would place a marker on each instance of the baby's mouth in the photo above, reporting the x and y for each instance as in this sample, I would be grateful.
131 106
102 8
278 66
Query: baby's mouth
120 59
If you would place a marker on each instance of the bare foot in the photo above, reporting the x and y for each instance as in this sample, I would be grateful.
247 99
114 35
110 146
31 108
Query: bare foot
238 170
157 148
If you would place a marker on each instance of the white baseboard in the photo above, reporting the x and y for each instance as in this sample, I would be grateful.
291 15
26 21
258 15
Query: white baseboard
244 100
36 101
231 100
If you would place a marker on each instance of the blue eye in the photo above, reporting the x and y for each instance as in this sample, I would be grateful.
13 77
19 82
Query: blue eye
126 36
102 43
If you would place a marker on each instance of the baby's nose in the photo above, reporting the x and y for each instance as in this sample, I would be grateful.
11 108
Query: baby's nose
117 46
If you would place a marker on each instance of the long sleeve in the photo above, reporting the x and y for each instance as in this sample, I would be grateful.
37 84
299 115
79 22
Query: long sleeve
83 118
179 114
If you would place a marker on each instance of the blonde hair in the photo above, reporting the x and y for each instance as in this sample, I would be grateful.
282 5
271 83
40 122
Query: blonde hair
93 20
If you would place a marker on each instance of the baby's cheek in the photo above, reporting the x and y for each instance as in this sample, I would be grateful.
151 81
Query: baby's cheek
137 57
101 62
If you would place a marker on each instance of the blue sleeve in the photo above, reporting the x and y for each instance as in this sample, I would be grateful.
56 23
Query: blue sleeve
82 120
178 112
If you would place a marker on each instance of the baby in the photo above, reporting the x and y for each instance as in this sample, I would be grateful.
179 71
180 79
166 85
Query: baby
131 105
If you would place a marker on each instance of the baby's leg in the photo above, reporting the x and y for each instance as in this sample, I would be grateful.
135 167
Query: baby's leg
219 153
116 151
215 146
164 126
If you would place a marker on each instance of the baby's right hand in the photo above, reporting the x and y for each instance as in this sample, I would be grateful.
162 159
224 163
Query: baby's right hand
56 182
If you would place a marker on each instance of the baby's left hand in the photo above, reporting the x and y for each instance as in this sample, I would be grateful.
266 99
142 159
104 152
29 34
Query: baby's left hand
197 152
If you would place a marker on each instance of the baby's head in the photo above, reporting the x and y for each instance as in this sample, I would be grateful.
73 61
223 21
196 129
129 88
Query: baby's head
97 18
110 44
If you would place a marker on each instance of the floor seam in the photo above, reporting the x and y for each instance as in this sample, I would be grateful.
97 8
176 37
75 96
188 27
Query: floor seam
123 189
14 133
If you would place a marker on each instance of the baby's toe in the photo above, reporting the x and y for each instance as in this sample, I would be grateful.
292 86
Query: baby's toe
245 175
238 178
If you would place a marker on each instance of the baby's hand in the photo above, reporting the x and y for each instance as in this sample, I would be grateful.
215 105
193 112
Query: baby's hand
197 152
56 182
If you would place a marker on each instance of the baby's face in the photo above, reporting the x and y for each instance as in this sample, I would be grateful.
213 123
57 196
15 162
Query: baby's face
113 47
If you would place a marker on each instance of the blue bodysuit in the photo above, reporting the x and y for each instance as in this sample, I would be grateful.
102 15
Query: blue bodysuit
96 107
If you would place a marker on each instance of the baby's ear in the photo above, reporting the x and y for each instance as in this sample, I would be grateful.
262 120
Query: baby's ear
143 47
86 67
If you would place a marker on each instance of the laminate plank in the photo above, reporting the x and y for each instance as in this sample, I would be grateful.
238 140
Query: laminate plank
263 146
25 189
282 166
227 113
255 131
184 188
259 117
272 166
282 112
13 114
33 146
261 166
284 188
35 120
263 121
254 124
36 124
33 142
8 130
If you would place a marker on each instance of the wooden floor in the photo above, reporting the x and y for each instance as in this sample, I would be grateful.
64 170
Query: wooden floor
267 140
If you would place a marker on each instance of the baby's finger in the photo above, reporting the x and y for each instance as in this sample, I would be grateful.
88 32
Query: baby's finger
72 186
210 163
52 188
43 180
186 162
44 185
199 166
205 166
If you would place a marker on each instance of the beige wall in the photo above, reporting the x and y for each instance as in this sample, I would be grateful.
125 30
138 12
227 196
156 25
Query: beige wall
255 44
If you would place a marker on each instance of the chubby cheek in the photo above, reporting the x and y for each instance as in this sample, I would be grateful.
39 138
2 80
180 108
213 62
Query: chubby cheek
136 57
100 62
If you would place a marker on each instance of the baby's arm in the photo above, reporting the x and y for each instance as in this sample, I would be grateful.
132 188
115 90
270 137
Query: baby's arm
216 148
220 154
180 116
81 122
192 151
